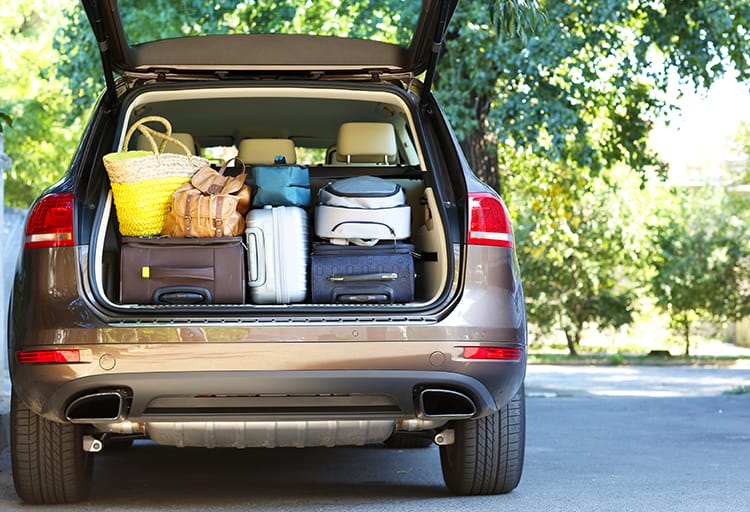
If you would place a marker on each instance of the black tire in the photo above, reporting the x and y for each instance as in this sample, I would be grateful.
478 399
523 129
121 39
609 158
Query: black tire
404 441
48 461
487 455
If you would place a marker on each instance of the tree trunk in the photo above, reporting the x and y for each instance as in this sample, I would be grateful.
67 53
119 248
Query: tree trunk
480 148
686 332
573 340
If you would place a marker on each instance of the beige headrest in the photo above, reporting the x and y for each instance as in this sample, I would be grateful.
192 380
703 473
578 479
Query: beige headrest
185 138
265 151
367 142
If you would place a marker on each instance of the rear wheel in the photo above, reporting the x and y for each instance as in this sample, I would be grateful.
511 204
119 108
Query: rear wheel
49 464
487 455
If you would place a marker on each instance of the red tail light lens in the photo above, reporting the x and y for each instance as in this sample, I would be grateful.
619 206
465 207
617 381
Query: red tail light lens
50 223
489 221
499 353
48 356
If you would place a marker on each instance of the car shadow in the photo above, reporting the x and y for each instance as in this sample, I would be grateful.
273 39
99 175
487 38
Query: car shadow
151 475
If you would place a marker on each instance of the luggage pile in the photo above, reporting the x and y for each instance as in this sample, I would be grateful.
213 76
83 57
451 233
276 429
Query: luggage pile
224 245
364 221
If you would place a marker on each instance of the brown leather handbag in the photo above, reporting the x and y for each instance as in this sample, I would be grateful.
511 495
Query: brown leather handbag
209 205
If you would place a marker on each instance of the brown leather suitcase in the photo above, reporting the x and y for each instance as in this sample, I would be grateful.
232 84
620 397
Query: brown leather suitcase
182 270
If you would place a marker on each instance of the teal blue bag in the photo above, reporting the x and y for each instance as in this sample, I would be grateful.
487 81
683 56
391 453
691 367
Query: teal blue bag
281 185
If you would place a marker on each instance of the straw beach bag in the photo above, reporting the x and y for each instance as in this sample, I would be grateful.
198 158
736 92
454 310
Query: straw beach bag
143 181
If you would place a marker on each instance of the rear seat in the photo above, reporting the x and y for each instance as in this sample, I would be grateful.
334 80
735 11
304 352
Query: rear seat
265 151
171 147
366 144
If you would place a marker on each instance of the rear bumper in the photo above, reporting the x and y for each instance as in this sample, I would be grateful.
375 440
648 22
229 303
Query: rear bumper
208 382
273 396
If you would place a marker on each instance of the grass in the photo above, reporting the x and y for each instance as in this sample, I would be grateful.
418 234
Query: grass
739 390
647 342
621 359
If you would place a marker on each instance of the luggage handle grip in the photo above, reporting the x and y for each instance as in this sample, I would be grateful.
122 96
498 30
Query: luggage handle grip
182 295
390 276
198 273
256 257
375 294
390 229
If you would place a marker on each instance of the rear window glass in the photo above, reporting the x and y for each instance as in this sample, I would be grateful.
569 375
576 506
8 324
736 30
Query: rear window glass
390 21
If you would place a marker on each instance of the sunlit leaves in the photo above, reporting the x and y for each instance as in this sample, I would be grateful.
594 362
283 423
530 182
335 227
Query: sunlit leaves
701 258
40 141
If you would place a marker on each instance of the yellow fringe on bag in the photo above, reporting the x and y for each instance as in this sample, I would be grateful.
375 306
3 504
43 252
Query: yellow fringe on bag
143 206
143 182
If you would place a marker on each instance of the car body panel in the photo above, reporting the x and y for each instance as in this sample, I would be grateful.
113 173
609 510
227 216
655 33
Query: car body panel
120 354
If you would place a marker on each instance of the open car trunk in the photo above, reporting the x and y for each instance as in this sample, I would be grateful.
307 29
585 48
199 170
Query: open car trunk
218 118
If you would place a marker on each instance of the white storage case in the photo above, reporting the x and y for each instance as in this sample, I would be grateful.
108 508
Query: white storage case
277 254
362 208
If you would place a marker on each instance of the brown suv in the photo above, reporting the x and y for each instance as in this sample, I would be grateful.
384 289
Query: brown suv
89 370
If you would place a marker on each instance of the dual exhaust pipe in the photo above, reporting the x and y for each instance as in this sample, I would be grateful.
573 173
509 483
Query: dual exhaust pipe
111 406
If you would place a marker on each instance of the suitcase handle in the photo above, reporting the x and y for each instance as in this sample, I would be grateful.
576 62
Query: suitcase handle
256 256
376 294
199 273
366 223
391 276
182 295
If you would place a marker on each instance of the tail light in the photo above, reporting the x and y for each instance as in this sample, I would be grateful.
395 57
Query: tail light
489 221
48 356
50 223
496 353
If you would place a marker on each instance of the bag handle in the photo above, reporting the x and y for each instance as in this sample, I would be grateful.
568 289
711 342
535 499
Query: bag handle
226 164
181 295
256 257
150 133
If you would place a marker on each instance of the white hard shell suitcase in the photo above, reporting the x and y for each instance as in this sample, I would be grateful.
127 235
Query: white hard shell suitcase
360 209
277 254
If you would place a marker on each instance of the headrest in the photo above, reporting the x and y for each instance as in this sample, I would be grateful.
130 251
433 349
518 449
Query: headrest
367 142
265 151
185 138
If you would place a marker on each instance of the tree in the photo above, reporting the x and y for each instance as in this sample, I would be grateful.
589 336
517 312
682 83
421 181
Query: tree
737 170
586 87
701 260
43 139
577 98
580 249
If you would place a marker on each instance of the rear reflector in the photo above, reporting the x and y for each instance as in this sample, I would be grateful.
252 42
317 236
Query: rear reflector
48 356
504 354
489 221
50 222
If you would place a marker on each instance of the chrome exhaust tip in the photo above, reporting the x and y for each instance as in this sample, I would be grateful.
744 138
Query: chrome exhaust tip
445 403
104 406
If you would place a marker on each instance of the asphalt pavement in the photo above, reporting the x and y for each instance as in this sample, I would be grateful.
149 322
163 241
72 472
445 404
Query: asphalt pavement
598 439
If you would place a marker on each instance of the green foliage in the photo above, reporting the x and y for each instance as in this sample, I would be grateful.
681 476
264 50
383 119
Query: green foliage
738 171
42 140
701 259
739 390
579 248
586 86
701 39
516 18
